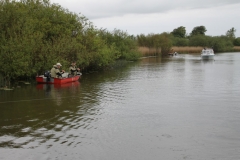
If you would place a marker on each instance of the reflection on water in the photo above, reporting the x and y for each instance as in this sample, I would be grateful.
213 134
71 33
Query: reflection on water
54 91
29 122
173 108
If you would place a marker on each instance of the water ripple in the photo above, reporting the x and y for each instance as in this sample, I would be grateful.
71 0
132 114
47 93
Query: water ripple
172 108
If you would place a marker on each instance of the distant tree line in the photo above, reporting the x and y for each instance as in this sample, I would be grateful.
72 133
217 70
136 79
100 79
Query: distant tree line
179 37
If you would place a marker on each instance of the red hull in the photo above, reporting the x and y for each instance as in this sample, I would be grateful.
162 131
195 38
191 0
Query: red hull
42 79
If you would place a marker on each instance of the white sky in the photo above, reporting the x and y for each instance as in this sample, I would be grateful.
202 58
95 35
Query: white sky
157 16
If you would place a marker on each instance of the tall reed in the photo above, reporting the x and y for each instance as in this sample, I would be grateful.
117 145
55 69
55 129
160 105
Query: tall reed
236 48
145 51
187 49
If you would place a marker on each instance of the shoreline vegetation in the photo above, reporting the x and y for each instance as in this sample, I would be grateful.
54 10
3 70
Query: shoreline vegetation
36 34
145 51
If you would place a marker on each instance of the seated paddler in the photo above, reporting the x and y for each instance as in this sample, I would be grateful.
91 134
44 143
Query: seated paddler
56 72
73 69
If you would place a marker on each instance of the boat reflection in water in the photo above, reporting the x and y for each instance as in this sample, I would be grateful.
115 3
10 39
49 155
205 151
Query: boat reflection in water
59 91
208 61
45 86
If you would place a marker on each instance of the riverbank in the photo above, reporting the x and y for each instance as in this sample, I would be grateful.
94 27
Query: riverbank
145 51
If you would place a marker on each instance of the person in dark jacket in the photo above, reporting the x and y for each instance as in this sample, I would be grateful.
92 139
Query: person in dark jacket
73 69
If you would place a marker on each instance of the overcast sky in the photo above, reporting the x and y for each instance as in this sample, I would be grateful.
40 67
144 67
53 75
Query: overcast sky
157 16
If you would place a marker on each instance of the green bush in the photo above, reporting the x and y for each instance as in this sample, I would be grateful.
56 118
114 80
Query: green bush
181 42
37 34
199 40
221 44
236 42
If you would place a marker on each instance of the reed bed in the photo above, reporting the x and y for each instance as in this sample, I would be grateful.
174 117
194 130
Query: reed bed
236 48
145 51
187 49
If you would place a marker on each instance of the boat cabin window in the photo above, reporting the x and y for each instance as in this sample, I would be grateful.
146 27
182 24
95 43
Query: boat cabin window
207 51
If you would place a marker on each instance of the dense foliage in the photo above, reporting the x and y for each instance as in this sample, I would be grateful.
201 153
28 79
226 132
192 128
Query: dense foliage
161 42
179 32
236 41
35 34
199 30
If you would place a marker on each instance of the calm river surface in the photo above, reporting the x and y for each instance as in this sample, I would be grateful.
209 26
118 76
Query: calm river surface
175 108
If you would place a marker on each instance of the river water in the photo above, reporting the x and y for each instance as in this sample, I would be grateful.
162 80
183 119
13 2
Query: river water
172 108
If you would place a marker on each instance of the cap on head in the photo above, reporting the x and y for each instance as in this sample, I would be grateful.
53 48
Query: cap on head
58 64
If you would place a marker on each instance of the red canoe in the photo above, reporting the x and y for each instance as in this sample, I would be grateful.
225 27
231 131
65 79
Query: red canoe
42 79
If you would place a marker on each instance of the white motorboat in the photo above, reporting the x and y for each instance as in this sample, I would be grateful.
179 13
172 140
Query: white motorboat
207 53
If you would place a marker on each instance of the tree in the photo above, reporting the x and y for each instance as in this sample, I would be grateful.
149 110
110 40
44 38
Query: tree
199 30
221 44
236 42
180 41
231 33
199 40
165 43
179 32
141 39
